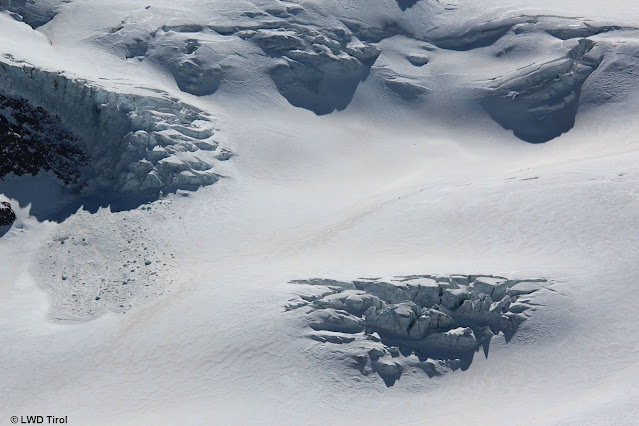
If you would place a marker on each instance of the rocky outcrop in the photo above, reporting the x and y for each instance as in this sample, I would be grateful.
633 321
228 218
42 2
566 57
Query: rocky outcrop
7 216
32 140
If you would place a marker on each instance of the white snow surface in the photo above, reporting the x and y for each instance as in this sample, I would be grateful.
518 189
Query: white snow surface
410 176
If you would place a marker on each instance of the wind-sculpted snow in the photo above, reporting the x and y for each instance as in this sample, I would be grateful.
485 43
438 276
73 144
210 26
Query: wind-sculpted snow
430 323
136 143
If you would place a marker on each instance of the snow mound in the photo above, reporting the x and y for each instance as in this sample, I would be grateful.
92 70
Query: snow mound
148 142
434 323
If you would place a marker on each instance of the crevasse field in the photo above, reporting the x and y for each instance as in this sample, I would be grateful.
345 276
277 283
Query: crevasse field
319 211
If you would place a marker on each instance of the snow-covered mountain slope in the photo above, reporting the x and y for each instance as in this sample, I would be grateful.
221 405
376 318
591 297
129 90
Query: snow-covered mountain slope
200 201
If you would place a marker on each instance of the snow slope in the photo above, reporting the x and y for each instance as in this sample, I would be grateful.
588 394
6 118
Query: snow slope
334 140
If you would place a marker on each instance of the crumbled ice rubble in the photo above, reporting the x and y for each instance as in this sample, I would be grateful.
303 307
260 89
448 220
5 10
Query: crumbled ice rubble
137 142
430 323
105 262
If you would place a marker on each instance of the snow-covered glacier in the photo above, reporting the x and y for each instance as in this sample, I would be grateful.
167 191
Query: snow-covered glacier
460 176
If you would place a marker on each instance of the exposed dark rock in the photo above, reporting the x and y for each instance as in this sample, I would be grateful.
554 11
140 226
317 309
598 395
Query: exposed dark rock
7 216
32 140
